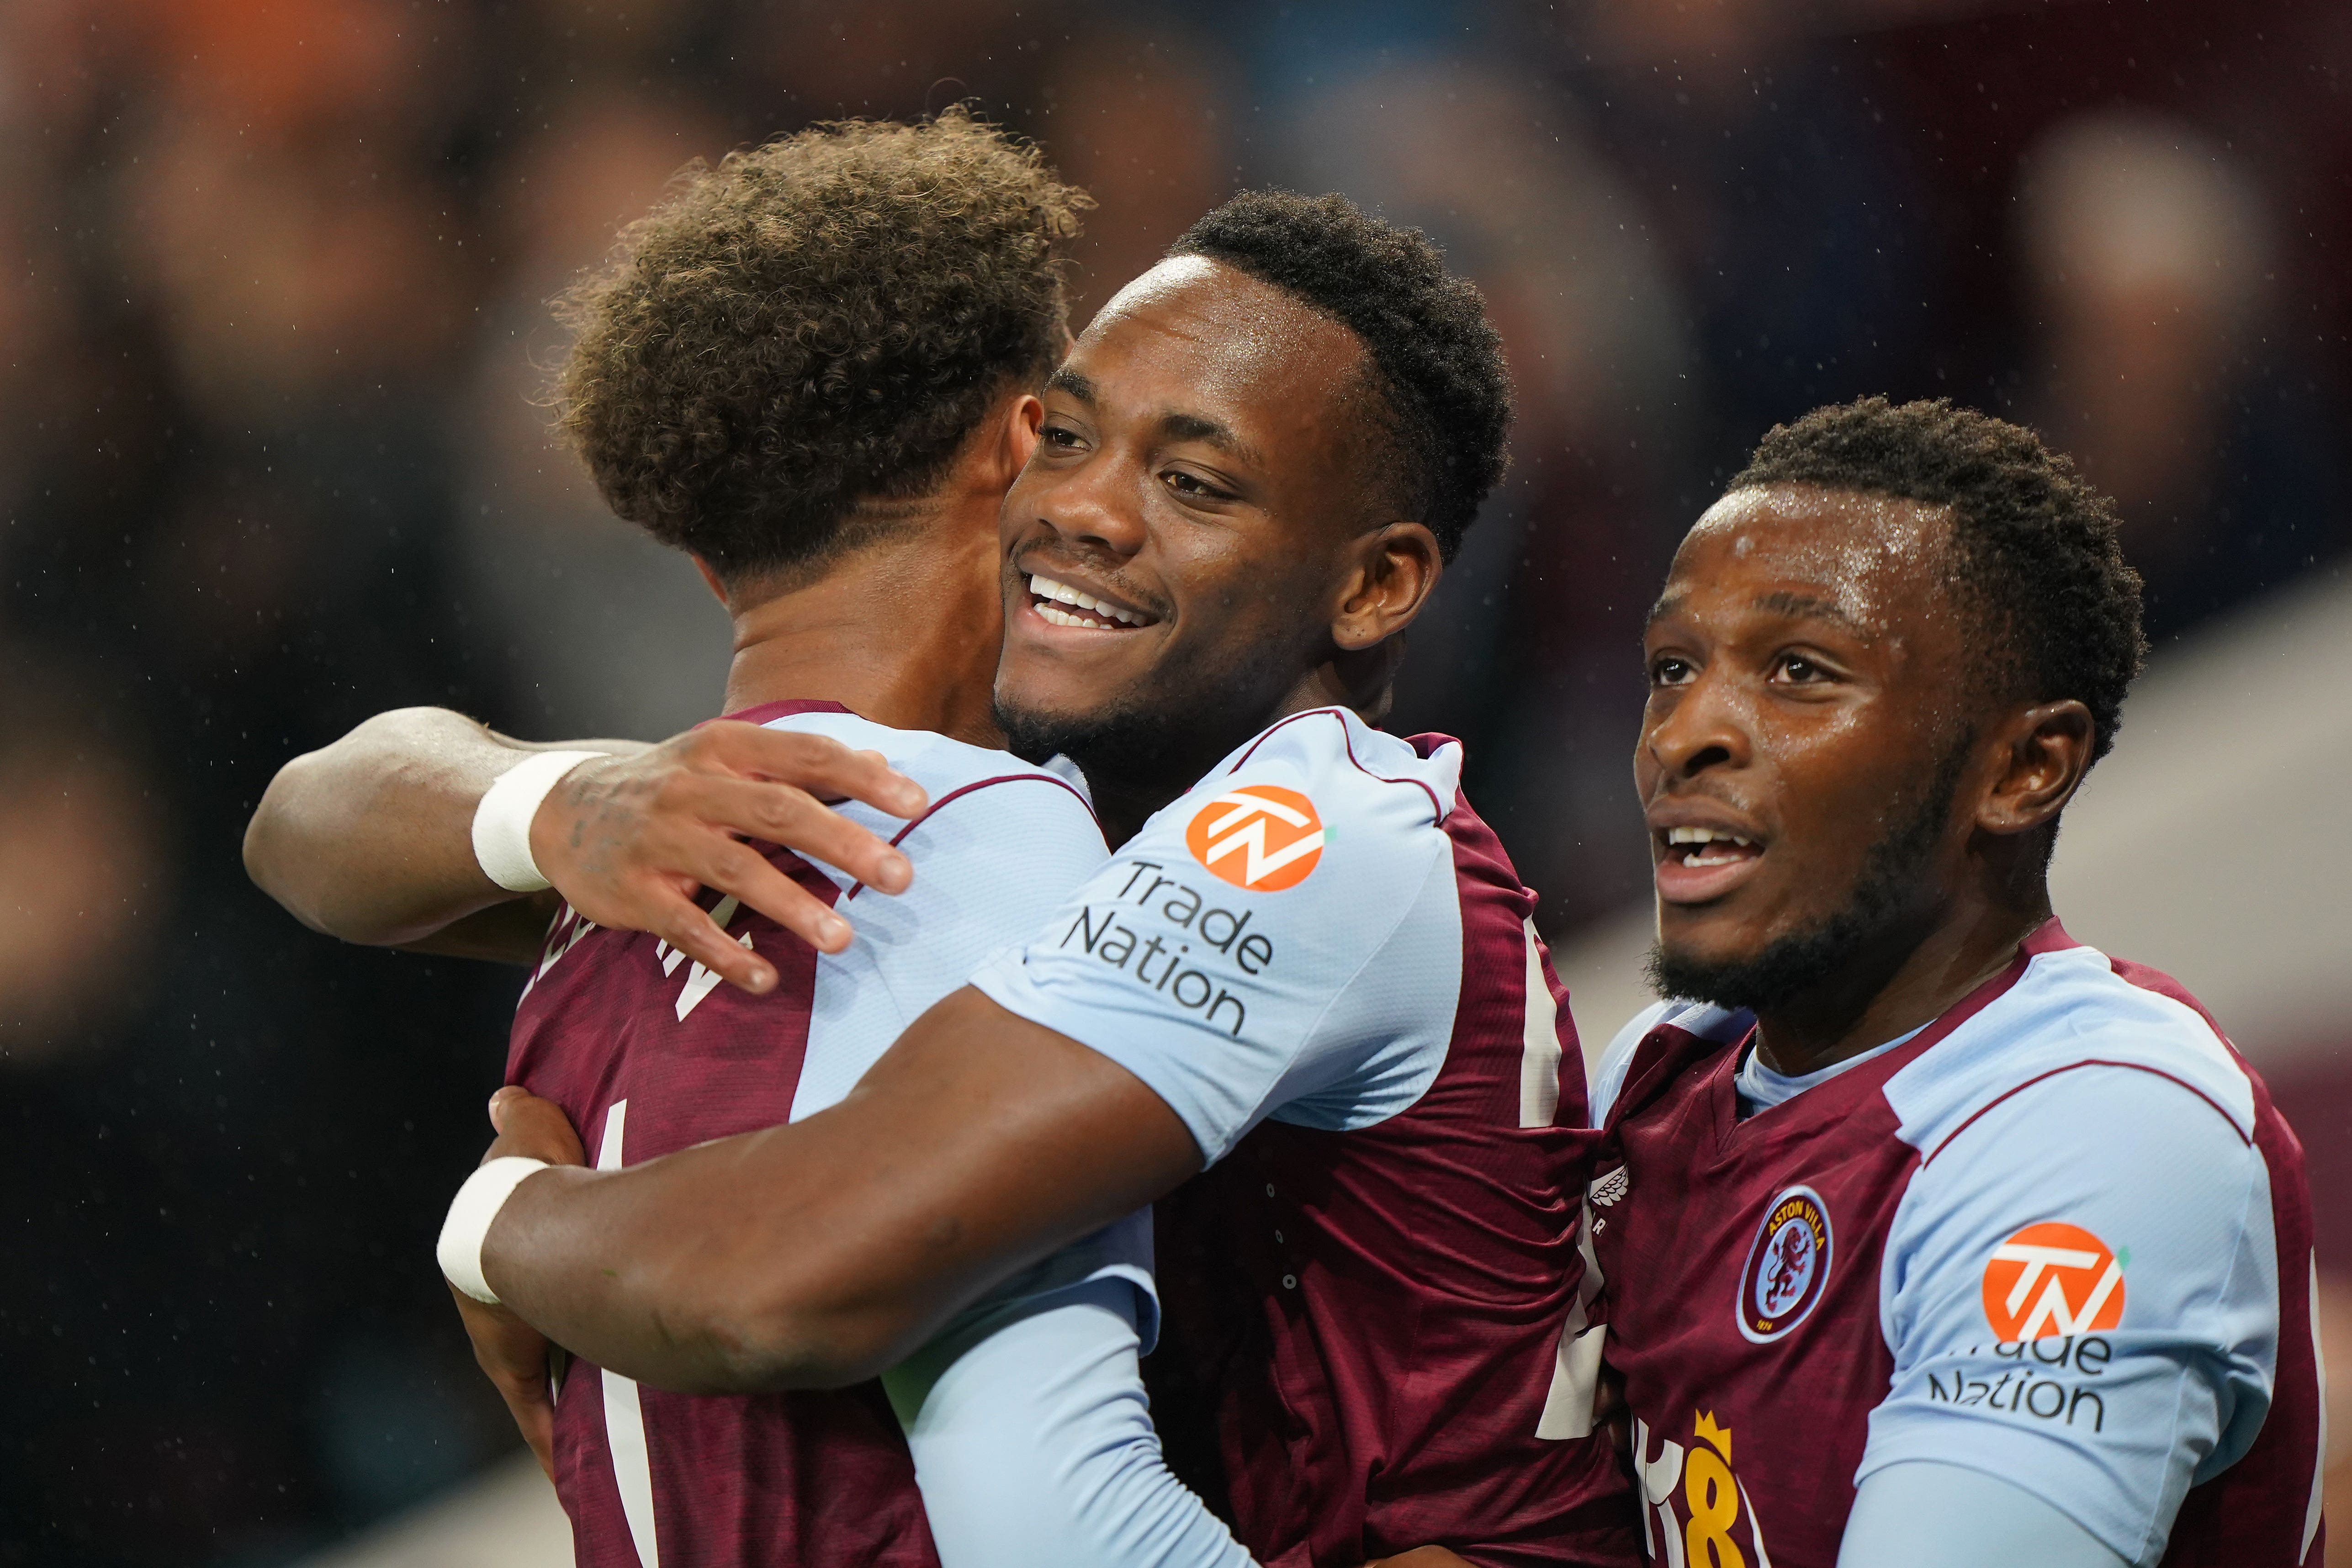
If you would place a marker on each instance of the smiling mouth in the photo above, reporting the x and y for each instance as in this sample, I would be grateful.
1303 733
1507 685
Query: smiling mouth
1701 848
1058 604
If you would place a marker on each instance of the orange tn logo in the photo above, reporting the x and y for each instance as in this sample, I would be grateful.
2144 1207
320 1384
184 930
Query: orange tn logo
2052 1279
1259 837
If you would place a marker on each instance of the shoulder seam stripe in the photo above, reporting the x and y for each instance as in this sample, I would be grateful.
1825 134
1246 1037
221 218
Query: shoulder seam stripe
962 790
2184 999
2094 1062
1438 812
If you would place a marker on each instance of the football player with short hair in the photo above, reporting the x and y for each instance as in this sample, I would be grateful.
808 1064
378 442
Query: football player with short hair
813 368
1309 967
1939 1238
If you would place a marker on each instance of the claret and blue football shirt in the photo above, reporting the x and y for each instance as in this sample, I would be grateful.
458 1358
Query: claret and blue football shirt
1321 959
2060 1237
648 1053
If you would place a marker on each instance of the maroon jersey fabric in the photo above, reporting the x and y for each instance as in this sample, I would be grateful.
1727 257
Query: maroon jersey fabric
648 1054
1360 1328
1751 1301
772 1478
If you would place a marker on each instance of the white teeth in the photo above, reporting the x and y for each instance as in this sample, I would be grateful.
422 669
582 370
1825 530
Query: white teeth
1704 836
1046 588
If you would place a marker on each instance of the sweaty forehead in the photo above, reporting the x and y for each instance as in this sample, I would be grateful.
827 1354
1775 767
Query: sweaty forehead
1875 561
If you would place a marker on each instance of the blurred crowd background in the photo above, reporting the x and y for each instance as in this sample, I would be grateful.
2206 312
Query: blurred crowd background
273 278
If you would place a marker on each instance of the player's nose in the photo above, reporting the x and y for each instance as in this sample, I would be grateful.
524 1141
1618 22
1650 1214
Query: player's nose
1705 728
1094 503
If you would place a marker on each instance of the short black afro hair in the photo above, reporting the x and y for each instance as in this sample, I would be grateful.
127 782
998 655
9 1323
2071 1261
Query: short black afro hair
2037 547
811 325
1437 362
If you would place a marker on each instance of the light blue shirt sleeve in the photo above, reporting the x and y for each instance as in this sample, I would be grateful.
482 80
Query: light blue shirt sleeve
1920 1514
1033 1443
1000 849
2104 1367
1236 989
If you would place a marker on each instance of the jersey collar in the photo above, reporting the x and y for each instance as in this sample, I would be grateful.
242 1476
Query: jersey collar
768 712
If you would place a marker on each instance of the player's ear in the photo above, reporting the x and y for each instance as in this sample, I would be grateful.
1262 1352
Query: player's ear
1017 439
1391 572
2046 750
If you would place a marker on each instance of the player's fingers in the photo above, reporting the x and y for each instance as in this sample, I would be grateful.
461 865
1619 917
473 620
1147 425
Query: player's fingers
513 1355
536 1128
733 868
689 929
534 1417
713 860
817 764
1608 1396
783 813
539 1433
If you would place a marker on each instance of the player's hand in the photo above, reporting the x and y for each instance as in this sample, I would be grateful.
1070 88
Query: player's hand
515 1357
629 841
534 1128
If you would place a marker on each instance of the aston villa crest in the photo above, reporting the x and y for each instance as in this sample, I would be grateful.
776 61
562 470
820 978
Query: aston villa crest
1788 1265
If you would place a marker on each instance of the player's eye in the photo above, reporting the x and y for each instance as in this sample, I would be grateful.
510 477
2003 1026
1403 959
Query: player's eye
1669 670
1798 669
1057 436
1192 487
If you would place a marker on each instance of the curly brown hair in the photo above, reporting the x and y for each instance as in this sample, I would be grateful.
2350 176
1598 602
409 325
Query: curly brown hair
813 323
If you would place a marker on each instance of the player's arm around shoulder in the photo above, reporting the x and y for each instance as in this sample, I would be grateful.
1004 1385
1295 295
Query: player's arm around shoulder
821 1253
378 838
2080 1292
991 1133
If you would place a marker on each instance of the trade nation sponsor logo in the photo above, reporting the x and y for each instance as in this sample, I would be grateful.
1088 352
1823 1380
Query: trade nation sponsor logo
1262 837
1180 941
1195 938
2051 1292
1788 1267
2052 1279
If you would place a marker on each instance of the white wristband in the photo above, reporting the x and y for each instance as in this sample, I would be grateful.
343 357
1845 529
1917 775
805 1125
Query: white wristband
470 1213
502 821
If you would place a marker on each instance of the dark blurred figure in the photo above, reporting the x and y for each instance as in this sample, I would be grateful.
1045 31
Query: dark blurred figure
1786 202
2158 362
1142 120
228 531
